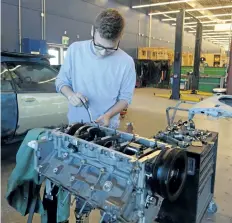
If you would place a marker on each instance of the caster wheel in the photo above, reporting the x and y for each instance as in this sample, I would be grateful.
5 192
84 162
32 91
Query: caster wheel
212 208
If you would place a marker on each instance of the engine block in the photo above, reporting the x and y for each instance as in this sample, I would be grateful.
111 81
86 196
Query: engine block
125 176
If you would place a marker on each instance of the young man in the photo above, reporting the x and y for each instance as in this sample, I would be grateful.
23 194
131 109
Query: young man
98 72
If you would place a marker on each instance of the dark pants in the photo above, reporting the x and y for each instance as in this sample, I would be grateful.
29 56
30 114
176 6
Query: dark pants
51 206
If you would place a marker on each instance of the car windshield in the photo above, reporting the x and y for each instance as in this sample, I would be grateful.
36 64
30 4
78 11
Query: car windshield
33 76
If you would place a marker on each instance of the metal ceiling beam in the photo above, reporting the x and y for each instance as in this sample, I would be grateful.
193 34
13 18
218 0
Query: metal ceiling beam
199 17
195 4
192 10
160 4
206 22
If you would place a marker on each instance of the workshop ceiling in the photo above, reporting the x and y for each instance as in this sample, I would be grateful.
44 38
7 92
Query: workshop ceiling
216 12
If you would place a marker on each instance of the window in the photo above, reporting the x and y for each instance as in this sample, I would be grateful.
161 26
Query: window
55 53
33 77
6 81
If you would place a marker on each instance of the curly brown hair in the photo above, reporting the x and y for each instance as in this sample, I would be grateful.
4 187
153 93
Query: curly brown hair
110 24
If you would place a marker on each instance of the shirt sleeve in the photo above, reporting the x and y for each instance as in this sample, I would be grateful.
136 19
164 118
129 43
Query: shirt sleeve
64 76
128 84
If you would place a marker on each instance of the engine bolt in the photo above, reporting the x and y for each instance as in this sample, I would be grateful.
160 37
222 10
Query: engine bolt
55 170
82 161
91 148
108 185
72 178
65 155
140 214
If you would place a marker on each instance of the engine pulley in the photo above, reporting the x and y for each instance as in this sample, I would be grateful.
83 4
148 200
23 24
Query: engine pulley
169 171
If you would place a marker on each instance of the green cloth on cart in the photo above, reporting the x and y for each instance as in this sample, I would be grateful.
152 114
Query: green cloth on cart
23 188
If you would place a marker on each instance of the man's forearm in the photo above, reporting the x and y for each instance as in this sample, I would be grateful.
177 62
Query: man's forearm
66 91
117 108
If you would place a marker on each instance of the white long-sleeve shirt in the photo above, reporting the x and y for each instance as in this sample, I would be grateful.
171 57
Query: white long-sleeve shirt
103 80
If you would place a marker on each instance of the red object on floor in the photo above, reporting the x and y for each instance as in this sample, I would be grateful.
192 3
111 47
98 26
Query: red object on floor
123 113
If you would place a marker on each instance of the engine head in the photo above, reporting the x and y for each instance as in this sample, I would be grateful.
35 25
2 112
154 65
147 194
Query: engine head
123 175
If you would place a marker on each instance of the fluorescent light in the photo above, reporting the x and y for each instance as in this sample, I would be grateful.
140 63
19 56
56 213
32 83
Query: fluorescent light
199 17
213 24
223 27
209 8
208 31
194 31
222 42
217 33
219 39
205 22
192 10
161 13
173 19
215 36
214 15
160 3
206 25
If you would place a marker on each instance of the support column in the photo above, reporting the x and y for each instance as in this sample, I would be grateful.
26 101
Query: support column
229 78
150 25
197 56
178 55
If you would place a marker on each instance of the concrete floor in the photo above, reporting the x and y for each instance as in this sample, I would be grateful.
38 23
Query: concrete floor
147 112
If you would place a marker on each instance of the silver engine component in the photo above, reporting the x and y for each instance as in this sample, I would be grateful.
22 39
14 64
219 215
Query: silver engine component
124 176
183 134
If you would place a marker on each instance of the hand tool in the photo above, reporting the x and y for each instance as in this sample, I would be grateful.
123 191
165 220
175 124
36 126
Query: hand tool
86 105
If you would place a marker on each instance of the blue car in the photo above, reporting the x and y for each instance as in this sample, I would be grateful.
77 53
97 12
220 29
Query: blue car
28 95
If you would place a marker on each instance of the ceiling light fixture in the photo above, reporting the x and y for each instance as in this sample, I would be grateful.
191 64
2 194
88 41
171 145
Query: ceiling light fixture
219 39
216 36
160 3
199 17
223 27
205 22
210 31
206 25
192 10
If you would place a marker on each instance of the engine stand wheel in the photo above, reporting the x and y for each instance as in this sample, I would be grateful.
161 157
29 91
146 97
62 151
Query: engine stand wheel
212 208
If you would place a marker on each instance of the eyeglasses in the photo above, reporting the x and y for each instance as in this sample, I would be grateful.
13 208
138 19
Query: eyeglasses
100 47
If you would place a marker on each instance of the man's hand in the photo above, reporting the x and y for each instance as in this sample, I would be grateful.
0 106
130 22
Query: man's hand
76 99
73 98
104 120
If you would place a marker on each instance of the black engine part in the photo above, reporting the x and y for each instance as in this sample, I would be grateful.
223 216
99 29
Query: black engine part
169 172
